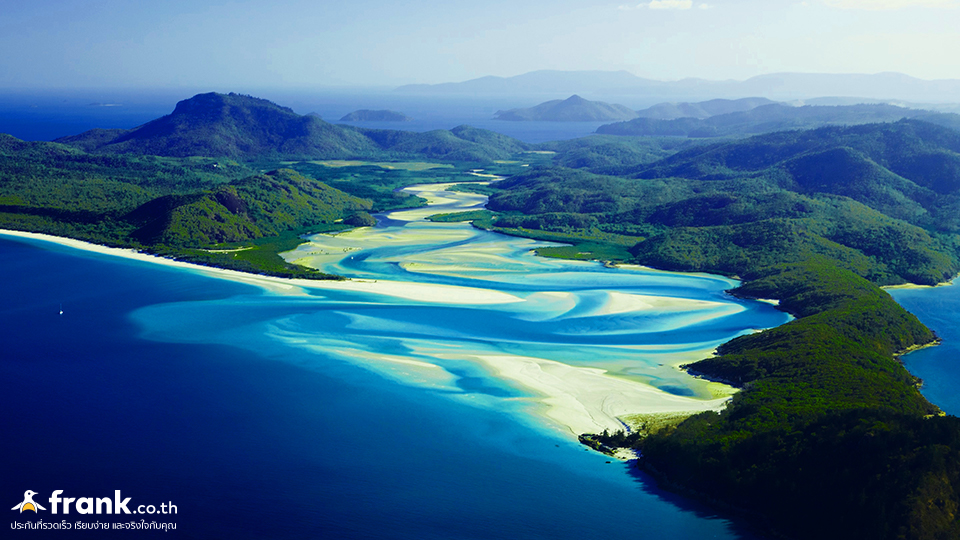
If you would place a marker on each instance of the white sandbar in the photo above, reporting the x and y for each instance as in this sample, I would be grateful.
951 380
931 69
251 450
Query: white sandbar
588 400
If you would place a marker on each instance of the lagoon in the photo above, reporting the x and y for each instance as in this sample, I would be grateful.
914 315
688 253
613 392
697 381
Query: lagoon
437 395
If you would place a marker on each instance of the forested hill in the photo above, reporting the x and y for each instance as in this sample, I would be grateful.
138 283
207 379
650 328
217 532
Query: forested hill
772 117
572 109
880 200
248 128
181 207
254 207
227 125
908 170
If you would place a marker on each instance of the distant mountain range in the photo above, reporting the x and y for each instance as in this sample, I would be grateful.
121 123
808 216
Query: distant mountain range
772 117
572 109
578 109
777 86
245 128
704 109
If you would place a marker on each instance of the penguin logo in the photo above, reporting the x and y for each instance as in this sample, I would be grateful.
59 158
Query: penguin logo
28 503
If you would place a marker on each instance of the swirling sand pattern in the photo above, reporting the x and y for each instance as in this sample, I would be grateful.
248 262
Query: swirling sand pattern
477 316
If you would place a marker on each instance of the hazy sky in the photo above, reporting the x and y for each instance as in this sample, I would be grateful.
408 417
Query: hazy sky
310 43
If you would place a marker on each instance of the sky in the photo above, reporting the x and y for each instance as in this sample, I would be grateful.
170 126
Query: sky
322 43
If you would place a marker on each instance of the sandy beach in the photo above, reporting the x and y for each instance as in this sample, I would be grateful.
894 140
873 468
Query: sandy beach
399 289
916 286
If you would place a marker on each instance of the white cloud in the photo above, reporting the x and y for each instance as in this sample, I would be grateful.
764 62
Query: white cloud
705 6
886 5
670 4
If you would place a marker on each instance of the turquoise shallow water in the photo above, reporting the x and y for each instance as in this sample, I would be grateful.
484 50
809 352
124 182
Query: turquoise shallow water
263 414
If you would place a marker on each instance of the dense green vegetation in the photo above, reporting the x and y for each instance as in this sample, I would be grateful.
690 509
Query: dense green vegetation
182 208
480 218
254 207
602 153
876 199
38 174
260 256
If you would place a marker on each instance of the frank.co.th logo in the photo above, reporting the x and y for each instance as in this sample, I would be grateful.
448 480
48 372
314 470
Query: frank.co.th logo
28 503
91 505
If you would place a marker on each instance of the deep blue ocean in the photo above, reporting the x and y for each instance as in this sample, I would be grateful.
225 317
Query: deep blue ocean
938 367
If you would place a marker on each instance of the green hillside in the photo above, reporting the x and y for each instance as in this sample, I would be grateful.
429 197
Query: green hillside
246 128
178 207
908 169
250 208
49 187
609 154
462 143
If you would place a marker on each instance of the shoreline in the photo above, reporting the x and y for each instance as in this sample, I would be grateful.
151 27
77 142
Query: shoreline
398 289
948 283
914 348
579 399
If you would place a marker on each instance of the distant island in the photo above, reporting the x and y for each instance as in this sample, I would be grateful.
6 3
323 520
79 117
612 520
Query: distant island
366 115
572 109
703 109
